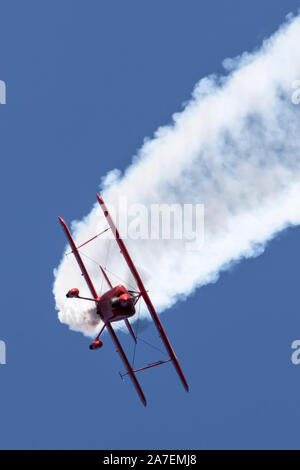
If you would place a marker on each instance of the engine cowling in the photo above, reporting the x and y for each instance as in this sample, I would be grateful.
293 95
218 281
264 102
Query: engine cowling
125 300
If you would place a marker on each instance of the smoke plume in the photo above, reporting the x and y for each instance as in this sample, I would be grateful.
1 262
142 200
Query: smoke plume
235 148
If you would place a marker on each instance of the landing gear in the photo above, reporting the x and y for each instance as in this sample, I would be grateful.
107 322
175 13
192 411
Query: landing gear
96 344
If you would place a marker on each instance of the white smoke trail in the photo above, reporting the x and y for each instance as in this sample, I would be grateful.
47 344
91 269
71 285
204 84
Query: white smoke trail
236 149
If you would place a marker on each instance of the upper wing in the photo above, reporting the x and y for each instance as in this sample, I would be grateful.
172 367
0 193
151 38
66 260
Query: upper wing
144 293
78 259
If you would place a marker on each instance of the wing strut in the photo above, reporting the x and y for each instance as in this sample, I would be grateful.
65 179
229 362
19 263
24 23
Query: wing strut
106 277
144 293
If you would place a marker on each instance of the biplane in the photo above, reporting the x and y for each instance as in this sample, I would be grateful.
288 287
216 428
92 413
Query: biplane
118 304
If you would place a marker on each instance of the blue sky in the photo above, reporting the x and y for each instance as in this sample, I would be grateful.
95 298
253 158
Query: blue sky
86 82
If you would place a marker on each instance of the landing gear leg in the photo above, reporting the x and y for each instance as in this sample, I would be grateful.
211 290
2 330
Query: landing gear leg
97 344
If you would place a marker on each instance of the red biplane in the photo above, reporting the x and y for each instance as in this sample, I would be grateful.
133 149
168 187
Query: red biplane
118 304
